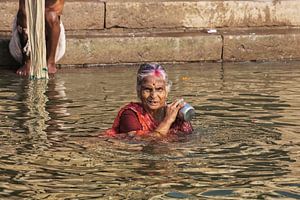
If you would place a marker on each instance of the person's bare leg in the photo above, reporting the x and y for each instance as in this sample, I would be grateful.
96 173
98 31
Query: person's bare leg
22 29
52 35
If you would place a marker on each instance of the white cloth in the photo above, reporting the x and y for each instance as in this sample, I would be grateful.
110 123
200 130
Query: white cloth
15 47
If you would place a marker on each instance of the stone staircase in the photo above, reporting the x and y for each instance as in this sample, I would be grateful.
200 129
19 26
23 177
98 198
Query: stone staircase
121 31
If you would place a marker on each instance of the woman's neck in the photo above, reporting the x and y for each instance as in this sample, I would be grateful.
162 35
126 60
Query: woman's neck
158 115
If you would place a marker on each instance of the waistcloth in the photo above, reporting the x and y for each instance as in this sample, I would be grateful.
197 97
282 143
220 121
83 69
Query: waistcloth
15 47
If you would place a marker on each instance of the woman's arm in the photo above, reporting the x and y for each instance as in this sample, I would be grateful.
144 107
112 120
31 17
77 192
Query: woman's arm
130 124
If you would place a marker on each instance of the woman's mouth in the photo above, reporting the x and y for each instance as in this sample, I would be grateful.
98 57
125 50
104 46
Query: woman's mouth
153 103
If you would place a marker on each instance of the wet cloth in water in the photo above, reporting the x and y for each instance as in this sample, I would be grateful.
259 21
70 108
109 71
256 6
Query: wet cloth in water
147 122
15 47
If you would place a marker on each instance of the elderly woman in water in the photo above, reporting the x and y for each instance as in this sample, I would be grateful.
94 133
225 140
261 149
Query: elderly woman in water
152 116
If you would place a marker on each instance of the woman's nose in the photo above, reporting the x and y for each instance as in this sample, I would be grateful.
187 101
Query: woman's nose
153 93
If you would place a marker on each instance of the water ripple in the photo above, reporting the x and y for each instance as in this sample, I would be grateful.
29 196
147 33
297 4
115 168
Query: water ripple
246 143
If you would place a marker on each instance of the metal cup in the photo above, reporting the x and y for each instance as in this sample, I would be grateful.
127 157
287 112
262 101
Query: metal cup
187 112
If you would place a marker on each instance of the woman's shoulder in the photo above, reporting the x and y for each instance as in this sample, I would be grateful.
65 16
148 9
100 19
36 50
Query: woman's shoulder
129 120
133 106
128 112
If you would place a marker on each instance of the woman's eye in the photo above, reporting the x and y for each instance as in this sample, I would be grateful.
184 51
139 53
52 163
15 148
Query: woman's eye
160 89
147 90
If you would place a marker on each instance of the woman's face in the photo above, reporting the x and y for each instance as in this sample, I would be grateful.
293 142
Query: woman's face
153 93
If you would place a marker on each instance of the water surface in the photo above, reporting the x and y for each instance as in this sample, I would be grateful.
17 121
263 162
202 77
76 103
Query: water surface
246 143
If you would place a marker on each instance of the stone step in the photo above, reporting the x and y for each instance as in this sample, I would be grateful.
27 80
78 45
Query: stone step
149 14
96 47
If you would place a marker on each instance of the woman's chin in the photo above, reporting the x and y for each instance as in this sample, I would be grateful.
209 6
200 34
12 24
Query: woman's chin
154 106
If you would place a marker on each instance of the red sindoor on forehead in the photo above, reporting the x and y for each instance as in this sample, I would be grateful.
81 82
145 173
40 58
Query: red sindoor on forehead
157 72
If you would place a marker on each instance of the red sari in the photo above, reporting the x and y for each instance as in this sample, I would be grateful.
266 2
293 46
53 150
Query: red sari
147 122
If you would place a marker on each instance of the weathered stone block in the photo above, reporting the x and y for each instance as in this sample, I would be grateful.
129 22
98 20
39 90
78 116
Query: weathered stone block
128 49
83 15
202 14
77 15
8 10
262 46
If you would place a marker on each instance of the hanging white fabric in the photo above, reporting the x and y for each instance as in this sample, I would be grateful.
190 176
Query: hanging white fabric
35 11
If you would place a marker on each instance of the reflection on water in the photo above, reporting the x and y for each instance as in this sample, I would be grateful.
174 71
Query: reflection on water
246 144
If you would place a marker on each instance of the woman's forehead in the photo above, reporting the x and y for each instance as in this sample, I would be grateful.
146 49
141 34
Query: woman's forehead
154 80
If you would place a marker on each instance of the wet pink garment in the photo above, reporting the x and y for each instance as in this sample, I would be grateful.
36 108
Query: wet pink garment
147 122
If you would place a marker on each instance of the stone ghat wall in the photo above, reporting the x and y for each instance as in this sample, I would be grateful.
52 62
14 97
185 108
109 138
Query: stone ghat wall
116 31
144 14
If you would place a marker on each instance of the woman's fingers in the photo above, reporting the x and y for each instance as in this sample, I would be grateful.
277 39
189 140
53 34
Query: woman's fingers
177 104
173 108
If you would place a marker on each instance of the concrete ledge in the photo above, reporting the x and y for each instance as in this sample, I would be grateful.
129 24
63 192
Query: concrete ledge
181 47
128 48
261 45
77 15
232 45
202 14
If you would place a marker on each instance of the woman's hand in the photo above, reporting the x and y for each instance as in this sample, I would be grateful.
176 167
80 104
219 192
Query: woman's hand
172 110
170 116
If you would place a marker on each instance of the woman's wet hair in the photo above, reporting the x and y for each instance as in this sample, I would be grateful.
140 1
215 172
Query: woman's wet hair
149 69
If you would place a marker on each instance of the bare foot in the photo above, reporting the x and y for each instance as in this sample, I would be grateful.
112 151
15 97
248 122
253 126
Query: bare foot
52 68
24 70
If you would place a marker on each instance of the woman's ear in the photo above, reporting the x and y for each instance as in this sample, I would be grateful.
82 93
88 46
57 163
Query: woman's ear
138 92
168 86
167 92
